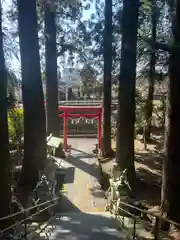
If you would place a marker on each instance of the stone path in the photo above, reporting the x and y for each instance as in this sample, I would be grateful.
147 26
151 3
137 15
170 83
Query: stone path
83 189
81 214
81 211
92 226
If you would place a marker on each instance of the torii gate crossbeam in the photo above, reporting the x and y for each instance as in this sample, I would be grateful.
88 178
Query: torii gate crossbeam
68 113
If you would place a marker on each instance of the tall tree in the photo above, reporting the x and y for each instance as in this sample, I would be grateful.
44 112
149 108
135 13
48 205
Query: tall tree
151 77
4 139
107 150
127 80
53 125
33 99
173 146
88 79
164 192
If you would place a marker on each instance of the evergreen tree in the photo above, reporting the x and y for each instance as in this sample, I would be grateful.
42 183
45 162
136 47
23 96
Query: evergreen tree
33 99
127 81
5 199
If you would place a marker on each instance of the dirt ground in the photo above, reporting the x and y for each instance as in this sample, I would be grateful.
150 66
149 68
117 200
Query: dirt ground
148 164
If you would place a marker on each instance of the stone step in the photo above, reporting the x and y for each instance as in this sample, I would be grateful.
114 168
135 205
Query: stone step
77 226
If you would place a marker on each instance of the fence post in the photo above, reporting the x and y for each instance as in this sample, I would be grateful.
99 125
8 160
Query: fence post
123 221
25 227
156 230
134 229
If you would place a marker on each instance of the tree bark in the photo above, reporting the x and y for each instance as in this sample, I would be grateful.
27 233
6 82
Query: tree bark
107 150
164 204
173 154
126 99
164 199
5 190
151 79
33 99
53 124
70 94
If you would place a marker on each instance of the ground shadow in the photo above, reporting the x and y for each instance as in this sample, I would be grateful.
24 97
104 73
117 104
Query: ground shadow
90 169
65 205
83 152
71 223
86 226
150 159
95 226
83 226
69 174
97 192
81 155
148 188
152 141
107 160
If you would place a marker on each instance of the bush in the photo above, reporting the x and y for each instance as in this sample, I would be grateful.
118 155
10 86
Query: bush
140 111
15 125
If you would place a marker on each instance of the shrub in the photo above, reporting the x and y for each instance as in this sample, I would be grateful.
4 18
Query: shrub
15 125
140 111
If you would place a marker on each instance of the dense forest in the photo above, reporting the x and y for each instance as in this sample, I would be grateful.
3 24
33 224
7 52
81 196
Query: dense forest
127 50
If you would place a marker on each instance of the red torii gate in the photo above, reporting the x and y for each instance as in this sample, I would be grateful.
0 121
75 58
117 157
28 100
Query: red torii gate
67 113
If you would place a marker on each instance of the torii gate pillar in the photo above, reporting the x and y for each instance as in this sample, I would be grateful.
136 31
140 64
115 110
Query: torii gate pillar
67 113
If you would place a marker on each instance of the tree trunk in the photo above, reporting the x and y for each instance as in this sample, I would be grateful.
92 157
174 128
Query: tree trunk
53 125
70 94
173 163
33 99
164 201
127 80
165 159
79 92
5 190
151 79
107 150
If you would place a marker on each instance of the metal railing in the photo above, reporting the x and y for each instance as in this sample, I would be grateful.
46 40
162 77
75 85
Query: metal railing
156 232
24 214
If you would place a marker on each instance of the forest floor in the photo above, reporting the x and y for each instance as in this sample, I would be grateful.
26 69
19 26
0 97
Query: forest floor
148 164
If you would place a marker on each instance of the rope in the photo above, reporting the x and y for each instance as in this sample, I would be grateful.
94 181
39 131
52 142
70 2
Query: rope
81 118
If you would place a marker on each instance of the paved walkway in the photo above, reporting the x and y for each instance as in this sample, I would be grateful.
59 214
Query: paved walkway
83 189
92 226
81 211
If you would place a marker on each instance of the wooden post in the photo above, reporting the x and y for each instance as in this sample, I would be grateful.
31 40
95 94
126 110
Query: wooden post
65 129
100 128
156 230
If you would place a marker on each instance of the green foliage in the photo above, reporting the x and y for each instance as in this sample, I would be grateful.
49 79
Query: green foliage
160 110
159 106
88 77
11 100
140 110
15 125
